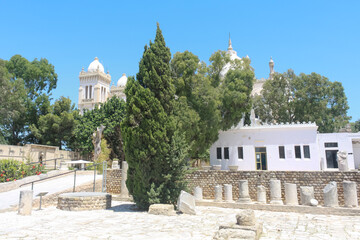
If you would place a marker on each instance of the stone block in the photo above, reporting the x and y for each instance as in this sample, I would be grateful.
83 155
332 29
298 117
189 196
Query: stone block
186 203
25 202
246 218
162 209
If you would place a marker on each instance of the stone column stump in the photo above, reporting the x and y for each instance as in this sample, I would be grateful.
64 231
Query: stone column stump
198 194
261 194
306 195
331 195
228 193
218 193
244 196
275 192
350 194
291 197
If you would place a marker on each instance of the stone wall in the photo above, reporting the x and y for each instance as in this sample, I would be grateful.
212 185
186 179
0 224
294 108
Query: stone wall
208 179
113 181
84 201
32 152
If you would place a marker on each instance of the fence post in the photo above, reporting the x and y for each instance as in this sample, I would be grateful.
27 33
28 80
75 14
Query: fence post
74 180
94 177
55 163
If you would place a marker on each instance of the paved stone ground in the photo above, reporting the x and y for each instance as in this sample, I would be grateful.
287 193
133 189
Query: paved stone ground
123 222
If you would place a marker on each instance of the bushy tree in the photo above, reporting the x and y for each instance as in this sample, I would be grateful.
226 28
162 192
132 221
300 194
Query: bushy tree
207 101
110 114
156 167
13 102
57 127
30 85
303 98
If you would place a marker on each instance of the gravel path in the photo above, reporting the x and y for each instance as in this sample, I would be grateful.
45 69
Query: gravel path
123 222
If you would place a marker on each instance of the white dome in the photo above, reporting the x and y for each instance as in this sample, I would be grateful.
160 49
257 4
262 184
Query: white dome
96 66
122 81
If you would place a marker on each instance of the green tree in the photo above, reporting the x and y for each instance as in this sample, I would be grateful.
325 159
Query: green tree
207 101
57 127
110 114
39 76
12 107
303 98
356 126
31 84
275 104
155 172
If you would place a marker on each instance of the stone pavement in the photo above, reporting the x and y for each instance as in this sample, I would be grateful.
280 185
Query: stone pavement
7 199
123 222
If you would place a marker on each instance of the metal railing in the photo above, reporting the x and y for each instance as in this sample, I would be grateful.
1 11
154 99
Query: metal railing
41 162
103 187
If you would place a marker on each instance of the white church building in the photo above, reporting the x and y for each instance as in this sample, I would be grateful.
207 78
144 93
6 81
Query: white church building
95 86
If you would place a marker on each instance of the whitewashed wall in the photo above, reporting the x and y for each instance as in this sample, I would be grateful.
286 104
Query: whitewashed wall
270 137
344 141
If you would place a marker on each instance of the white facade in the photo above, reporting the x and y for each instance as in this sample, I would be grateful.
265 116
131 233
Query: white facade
284 147
268 138
95 86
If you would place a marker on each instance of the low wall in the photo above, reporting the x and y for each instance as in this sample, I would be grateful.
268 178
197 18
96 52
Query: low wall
208 179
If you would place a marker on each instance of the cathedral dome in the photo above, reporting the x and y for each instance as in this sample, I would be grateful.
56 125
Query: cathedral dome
96 66
122 81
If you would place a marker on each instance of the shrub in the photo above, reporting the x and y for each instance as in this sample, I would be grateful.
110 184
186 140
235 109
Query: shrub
12 170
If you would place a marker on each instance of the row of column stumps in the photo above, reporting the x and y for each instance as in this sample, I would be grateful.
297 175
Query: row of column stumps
291 196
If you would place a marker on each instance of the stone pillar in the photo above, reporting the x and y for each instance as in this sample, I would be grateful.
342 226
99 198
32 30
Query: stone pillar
331 195
291 197
218 193
198 193
25 202
261 194
350 194
244 196
228 193
306 194
124 193
275 192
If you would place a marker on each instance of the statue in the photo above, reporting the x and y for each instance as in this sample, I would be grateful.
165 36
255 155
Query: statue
97 141
342 161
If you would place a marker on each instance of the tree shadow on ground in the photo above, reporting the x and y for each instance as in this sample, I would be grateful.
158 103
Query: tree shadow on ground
125 207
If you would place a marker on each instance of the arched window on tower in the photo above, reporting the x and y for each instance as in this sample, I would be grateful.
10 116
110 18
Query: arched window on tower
86 92
90 92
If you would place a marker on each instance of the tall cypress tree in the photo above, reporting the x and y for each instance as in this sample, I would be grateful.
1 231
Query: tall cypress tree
154 151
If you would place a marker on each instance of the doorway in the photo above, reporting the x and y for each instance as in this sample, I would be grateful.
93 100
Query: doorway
331 156
260 158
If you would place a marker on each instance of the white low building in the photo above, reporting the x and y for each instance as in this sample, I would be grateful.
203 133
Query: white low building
283 147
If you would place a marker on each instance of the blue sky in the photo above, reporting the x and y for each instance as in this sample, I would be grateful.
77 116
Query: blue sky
307 36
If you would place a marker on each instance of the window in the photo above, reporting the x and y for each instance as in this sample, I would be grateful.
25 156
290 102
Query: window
282 152
297 152
306 151
86 92
90 91
240 153
226 153
331 144
218 153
